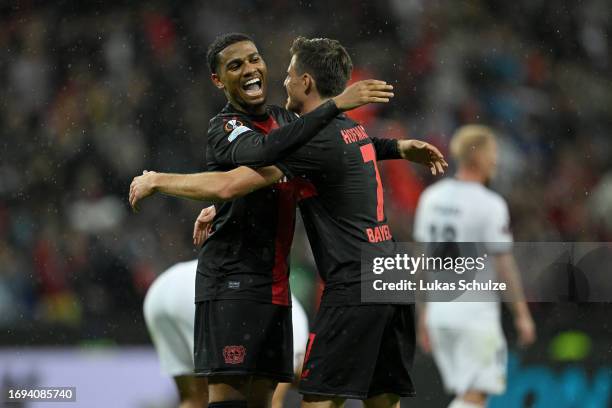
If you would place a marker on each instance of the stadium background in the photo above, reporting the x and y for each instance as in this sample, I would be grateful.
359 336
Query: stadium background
93 93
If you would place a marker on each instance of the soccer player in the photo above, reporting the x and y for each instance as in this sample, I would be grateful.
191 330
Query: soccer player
169 310
243 337
466 338
355 350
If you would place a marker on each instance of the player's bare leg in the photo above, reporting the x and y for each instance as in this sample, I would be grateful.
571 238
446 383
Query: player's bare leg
383 401
279 394
260 392
319 401
278 399
471 399
193 391
256 391
227 388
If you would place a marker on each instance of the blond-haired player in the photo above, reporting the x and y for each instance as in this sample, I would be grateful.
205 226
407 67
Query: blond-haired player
466 338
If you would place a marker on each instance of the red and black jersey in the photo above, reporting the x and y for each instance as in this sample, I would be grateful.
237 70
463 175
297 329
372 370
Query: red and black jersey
344 211
246 256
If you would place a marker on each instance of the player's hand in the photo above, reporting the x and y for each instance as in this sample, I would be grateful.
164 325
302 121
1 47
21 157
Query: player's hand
141 188
525 328
202 225
423 153
364 92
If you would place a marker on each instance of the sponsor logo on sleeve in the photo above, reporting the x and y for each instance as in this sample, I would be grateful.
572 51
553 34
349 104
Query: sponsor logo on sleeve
231 125
235 128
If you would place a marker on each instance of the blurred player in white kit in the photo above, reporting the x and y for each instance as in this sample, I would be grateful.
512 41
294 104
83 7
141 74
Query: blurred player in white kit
466 338
169 311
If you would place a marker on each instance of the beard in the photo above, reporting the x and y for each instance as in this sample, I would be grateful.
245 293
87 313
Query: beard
294 106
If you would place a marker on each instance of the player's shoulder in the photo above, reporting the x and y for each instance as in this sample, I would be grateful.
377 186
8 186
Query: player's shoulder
217 122
349 130
227 113
449 188
437 188
278 110
496 203
487 201
227 122
346 122
280 114
483 195
494 197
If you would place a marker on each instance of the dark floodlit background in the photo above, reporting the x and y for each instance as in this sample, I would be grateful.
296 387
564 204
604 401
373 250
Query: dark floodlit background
95 92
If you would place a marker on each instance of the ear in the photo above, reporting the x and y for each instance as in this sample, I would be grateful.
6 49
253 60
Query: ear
216 81
308 82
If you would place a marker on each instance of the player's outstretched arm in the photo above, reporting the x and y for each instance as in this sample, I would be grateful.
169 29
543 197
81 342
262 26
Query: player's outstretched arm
213 186
423 153
242 146
413 150
506 268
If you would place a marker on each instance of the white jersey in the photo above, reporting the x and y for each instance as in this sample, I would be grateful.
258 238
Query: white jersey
169 311
459 211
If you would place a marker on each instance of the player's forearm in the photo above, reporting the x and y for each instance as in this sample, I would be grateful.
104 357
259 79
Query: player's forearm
507 271
386 149
520 309
281 142
213 186
216 186
245 180
403 146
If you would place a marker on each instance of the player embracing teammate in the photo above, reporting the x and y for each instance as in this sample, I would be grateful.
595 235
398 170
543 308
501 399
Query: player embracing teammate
242 323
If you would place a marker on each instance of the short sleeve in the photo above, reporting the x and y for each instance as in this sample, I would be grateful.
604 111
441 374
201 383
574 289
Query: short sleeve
224 137
386 149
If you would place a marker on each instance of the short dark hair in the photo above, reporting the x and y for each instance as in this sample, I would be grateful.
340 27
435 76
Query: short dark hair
219 44
326 60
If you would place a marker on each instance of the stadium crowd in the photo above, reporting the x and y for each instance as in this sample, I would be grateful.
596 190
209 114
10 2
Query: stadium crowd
92 95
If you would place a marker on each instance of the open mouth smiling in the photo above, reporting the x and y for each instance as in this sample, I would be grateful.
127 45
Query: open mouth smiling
253 87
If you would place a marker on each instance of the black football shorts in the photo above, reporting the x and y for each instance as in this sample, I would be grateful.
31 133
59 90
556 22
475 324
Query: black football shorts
243 337
360 352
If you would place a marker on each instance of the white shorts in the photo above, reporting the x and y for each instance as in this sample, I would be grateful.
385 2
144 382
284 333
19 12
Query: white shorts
300 332
169 312
470 359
